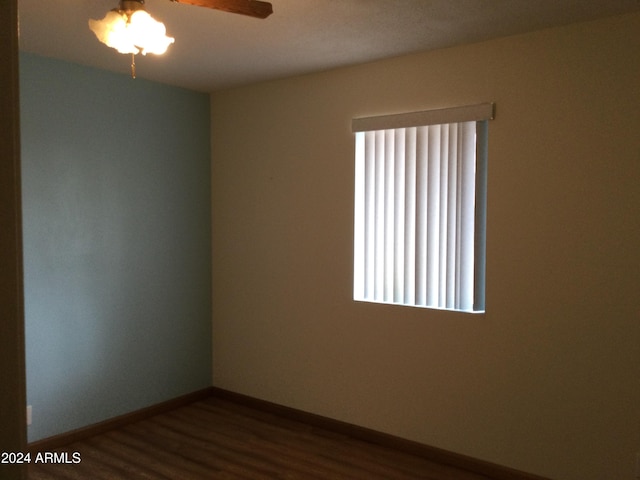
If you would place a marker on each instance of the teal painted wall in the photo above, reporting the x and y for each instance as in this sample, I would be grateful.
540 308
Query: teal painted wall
116 199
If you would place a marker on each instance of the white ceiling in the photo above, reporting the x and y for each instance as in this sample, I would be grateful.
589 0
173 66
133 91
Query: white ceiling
215 49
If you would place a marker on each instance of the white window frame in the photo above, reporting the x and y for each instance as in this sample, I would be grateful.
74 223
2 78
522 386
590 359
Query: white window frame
420 208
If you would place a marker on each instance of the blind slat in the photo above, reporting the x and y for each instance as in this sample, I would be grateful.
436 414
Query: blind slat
410 217
422 186
399 215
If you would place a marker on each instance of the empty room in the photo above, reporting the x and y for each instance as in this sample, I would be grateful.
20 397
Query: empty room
311 228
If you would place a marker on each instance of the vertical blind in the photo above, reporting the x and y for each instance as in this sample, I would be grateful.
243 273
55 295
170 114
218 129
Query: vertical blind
420 205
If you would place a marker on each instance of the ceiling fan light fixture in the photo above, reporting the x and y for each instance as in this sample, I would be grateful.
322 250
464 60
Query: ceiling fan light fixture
130 29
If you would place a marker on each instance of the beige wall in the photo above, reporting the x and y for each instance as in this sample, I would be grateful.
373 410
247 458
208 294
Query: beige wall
548 380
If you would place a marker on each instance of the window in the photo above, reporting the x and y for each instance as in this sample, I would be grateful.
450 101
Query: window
420 208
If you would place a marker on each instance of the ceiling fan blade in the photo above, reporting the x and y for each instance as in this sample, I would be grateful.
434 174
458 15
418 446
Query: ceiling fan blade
252 8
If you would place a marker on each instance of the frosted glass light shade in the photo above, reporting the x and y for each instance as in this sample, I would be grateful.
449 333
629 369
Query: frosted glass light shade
137 33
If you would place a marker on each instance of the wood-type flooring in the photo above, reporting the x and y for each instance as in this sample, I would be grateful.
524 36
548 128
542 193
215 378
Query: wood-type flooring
218 439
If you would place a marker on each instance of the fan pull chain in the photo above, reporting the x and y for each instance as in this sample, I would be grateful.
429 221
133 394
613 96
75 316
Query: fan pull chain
133 65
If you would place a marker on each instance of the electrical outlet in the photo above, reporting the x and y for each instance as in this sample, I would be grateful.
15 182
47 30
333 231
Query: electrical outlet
28 414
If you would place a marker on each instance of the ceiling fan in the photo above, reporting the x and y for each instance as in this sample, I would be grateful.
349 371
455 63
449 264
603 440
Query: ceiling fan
131 30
